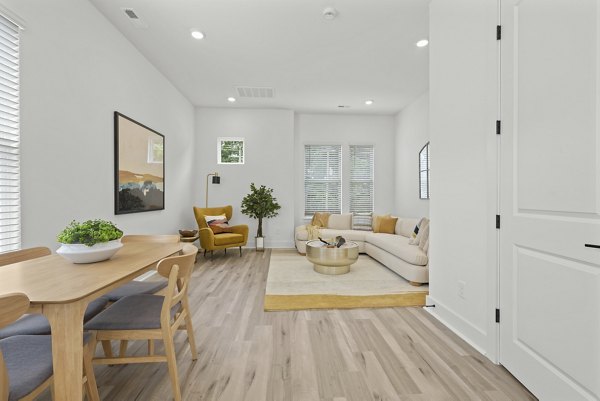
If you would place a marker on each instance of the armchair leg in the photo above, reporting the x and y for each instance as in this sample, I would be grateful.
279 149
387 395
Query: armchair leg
225 251
240 251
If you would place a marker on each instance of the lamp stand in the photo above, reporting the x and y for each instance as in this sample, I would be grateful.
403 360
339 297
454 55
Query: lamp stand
216 180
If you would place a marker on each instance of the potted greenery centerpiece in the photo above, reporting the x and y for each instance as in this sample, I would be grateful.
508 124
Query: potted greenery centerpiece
260 204
90 241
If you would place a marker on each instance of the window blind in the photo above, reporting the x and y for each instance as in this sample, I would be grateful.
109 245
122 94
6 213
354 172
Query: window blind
362 160
10 203
424 172
322 179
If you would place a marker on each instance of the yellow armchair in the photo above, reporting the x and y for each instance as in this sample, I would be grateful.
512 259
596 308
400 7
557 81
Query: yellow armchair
209 241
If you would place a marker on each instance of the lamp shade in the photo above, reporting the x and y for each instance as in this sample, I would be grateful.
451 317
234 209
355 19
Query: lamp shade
216 179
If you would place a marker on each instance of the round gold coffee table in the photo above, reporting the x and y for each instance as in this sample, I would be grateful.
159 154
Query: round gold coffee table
331 260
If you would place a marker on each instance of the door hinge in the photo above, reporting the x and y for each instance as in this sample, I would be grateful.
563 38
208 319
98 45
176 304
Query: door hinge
497 315
498 221
498 32
498 127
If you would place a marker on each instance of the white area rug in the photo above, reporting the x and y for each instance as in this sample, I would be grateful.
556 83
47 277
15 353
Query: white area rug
293 284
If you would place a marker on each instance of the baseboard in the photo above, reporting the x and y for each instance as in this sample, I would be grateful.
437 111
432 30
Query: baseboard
470 333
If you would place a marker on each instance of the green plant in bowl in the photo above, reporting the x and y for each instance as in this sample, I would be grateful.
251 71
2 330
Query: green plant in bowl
90 241
90 232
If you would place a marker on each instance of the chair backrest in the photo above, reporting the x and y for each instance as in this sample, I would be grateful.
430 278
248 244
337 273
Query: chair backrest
8 258
12 307
200 212
151 238
179 270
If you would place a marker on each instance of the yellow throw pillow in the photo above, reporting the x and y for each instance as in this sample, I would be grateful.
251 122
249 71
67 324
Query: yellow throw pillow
387 225
320 219
377 221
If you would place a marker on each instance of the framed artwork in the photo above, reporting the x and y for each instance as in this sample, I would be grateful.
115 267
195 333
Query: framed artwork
230 151
139 167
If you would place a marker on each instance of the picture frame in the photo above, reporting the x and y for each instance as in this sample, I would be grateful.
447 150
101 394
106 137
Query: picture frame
139 167
231 150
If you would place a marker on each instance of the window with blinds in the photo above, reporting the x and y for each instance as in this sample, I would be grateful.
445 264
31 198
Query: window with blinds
322 179
10 204
362 160
424 172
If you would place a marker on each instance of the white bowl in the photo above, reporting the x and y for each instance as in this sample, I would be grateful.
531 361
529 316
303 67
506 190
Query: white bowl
80 253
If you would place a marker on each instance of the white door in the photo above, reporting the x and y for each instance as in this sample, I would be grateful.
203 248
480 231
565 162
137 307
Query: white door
550 196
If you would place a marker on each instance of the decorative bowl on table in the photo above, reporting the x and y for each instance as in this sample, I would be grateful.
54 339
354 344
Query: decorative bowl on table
80 253
188 233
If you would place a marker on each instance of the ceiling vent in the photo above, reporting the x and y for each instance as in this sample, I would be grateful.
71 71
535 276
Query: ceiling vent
134 18
255 91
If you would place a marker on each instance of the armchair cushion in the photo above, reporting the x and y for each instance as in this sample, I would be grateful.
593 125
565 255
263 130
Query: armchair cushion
228 239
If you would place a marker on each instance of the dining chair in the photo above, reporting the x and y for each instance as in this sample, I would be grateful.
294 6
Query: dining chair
26 361
152 317
37 324
141 287
137 287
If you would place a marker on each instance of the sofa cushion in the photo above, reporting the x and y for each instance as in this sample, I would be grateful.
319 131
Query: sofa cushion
320 219
405 226
398 246
387 224
377 221
349 235
340 221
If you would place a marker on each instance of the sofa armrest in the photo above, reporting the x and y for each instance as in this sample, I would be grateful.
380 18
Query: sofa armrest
240 229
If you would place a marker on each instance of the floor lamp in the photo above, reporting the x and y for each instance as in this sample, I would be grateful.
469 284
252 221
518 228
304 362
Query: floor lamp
215 180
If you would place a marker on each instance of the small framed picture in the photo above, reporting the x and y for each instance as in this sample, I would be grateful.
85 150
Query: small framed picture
230 150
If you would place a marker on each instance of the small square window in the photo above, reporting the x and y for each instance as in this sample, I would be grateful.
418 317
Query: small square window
230 151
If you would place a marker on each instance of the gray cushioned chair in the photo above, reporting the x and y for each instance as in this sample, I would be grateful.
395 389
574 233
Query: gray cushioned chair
152 317
36 324
26 361
141 287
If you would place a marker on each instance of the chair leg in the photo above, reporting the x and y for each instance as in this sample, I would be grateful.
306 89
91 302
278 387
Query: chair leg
212 255
190 330
123 348
205 253
225 251
171 363
88 370
240 251
150 347
107 348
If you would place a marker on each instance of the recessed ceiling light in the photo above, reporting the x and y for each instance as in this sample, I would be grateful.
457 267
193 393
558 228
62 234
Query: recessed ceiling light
422 43
369 102
196 34
231 99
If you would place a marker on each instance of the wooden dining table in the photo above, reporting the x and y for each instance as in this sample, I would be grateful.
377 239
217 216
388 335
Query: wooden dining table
61 290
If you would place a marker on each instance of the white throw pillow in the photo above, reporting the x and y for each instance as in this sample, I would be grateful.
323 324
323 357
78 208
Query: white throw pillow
340 221
424 233
405 226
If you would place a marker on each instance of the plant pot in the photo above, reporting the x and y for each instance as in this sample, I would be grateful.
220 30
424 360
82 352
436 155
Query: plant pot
260 244
80 253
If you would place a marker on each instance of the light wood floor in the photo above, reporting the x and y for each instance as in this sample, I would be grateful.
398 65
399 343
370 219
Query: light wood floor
247 354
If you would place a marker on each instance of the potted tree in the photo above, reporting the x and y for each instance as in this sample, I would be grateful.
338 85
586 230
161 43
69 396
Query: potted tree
260 204
90 241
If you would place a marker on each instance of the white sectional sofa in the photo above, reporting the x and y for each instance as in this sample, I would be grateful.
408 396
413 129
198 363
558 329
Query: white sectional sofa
391 250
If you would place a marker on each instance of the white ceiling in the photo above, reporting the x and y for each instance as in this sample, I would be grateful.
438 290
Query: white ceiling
367 52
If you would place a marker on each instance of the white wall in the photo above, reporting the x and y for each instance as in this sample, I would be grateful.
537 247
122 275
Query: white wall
76 69
412 133
463 109
269 146
348 130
